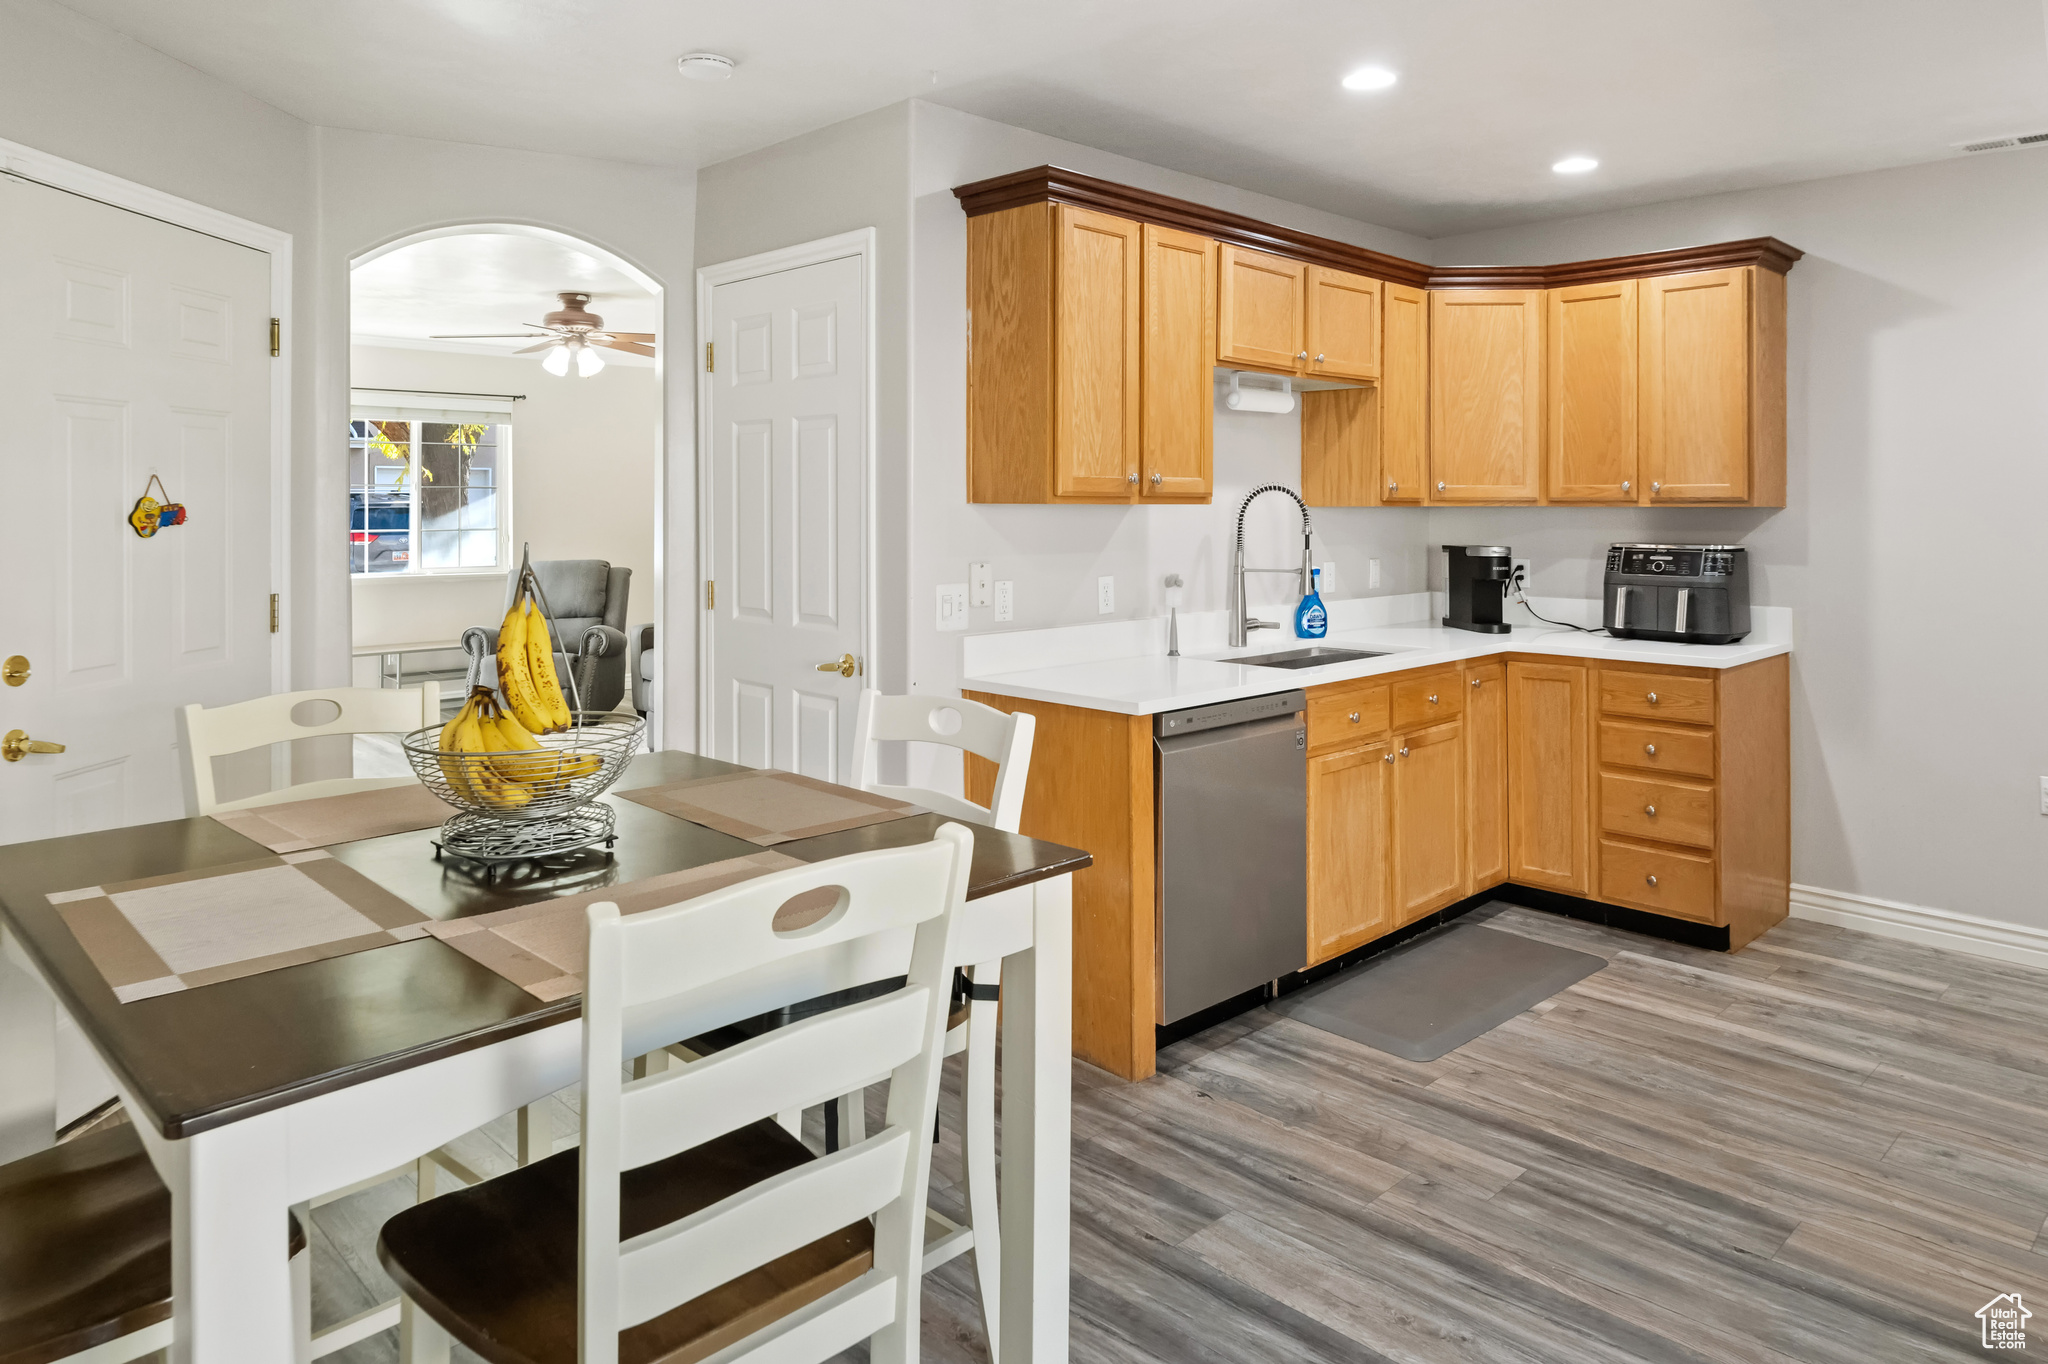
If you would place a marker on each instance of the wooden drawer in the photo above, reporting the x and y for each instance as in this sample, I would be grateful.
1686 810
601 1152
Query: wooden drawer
1653 748
1331 710
1657 879
1428 699
1684 812
1657 696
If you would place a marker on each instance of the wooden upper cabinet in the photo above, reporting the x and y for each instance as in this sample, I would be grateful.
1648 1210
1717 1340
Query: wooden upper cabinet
1259 304
1347 849
1341 325
1549 839
1178 399
1696 386
1404 395
1485 395
1591 393
1096 272
1340 444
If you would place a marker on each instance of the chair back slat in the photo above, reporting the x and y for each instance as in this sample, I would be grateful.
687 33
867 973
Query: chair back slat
693 1255
642 967
792 1067
209 733
1002 738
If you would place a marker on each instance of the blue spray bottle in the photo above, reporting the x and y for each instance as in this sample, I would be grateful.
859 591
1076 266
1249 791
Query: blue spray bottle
1310 620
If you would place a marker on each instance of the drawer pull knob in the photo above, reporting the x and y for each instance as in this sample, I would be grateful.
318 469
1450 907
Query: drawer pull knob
1651 878
1650 810
1650 749
1653 698
1477 680
1354 717
1432 698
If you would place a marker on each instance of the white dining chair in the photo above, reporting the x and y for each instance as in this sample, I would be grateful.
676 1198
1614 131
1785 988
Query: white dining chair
689 1223
1005 740
208 733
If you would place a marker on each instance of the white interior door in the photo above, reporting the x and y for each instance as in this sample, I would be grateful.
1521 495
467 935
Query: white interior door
130 348
787 526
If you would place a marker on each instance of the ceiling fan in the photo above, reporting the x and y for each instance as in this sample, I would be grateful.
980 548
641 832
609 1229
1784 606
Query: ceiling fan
571 334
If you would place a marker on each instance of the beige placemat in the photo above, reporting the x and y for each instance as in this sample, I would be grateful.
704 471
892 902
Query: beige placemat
295 825
770 807
193 928
540 947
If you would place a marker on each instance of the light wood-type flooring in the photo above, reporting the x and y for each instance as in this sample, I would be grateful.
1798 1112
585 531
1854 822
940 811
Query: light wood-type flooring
1829 1148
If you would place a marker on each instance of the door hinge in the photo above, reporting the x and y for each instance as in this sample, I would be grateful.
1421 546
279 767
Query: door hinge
276 337
710 595
273 613
707 357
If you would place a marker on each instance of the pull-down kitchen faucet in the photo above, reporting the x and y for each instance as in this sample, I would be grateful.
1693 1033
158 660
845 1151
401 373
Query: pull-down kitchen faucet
1241 624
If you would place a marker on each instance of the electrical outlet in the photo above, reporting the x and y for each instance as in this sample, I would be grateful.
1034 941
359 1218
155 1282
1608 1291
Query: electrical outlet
1006 599
1329 575
952 606
1105 595
1518 574
1372 573
980 589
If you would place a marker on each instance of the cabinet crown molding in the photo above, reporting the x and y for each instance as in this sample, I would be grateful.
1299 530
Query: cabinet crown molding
1056 185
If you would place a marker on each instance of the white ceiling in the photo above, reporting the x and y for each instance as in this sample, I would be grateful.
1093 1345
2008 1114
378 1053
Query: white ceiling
487 282
1675 97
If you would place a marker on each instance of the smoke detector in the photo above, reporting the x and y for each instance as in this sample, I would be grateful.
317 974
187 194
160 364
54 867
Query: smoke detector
1999 144
705 66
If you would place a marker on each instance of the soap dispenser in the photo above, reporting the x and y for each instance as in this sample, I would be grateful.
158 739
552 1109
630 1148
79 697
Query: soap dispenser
1310 620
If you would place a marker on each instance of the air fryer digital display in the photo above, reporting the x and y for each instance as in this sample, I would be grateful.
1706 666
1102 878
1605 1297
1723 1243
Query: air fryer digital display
1670 563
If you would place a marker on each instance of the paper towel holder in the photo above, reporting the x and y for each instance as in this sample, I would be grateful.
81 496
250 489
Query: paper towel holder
1258 399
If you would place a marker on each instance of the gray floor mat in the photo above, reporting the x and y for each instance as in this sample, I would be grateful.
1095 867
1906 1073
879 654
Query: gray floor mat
1434 995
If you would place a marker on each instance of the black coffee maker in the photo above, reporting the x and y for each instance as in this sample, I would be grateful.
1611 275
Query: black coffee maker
1475 582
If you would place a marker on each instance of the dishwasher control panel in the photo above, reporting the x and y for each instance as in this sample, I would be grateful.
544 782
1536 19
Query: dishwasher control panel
1197 718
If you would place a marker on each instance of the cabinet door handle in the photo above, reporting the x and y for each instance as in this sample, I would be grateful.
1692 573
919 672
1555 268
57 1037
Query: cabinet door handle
1155 480
1303 355
1439 485
1391 487
1650 810
1390 757
1354 717
1656 487
1404 752
1624 485
1130 478
1651 697
1319 359
1651 878
1432 698
1650 749
1477 680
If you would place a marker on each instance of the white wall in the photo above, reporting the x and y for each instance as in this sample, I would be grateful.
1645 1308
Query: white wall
1055 554
585 454
375 189
1912 543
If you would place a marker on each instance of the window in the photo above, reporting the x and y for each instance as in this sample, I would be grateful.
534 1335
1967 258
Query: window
426 496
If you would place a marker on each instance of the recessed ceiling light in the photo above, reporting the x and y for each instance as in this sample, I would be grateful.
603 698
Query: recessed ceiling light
1370 78
705 66
1575 165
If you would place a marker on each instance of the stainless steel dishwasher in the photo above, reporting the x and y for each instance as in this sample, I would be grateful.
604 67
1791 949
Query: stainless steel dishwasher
1232 783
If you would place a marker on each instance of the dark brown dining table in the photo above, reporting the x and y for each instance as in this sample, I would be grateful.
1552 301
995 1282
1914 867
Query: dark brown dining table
259 1093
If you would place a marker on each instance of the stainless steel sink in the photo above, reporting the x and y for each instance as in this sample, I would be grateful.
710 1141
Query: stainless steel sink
1315 656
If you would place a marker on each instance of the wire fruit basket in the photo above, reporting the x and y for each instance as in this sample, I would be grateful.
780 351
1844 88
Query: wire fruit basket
534 798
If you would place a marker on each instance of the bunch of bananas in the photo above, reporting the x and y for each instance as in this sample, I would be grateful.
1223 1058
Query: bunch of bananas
492 757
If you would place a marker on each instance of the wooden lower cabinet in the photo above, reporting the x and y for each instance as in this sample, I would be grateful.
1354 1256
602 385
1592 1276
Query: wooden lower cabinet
1348 812
1428 851
1548 842
1486 775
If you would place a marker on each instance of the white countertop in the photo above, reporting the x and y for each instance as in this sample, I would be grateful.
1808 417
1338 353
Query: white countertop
1146 683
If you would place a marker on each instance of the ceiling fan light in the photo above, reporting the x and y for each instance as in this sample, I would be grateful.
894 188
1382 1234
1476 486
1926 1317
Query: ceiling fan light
556 361
588 361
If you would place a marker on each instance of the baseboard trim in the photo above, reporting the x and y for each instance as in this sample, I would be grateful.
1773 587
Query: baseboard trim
2007 942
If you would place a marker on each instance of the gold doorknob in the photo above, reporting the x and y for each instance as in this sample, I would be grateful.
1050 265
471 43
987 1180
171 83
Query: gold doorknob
16 743
14 671
846 666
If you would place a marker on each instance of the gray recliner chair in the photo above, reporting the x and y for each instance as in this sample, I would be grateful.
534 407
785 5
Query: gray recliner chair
588 599
640 667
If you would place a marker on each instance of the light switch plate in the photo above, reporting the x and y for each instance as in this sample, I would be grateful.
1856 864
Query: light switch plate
1006 599
980 585
1105 596
952 606
1372 573
1329 575
2044 795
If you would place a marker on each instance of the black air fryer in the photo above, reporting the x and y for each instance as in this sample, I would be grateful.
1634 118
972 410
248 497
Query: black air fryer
1688 594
